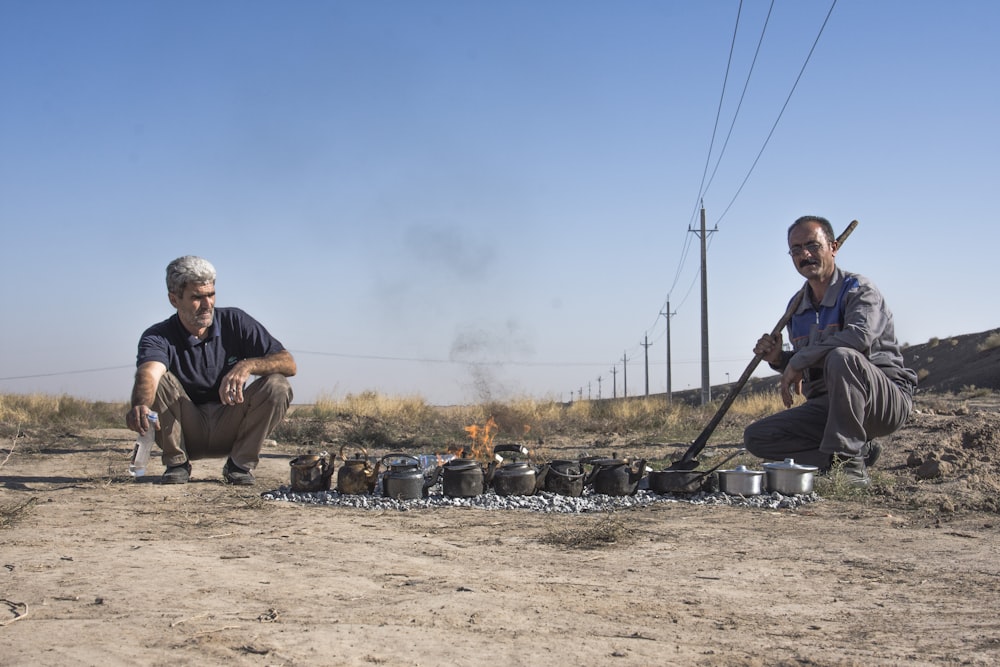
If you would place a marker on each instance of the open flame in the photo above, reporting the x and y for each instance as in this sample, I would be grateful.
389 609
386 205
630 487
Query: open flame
482 440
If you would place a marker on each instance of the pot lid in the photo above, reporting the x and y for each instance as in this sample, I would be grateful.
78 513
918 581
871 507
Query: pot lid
742 471
790 464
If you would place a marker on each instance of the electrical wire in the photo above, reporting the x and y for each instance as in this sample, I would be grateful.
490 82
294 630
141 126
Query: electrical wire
780 113
746 85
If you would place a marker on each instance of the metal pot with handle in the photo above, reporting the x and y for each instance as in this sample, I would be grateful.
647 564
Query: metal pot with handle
311 472
357 475
671 480
465 478
616 477
517 478
403 477
565 477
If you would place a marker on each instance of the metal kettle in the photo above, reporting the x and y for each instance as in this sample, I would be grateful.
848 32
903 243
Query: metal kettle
356 475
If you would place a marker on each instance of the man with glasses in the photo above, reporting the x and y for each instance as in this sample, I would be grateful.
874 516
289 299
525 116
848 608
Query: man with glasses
844 359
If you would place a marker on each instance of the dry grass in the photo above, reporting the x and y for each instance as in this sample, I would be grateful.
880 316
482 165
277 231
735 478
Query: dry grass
66 411
592 534
376 420
15 512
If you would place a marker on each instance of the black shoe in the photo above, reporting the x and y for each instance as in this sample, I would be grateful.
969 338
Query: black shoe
853 469
179 474
871 451
236 475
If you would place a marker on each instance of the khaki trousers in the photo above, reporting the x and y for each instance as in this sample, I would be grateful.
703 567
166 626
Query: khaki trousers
212 430
860 403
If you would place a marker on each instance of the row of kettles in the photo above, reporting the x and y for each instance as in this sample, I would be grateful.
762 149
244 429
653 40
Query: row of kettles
405 477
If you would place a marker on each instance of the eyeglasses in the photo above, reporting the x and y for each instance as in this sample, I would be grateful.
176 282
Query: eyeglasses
813 248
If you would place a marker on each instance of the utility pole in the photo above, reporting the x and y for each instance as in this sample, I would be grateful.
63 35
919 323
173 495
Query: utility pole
645 344
614 381
624 375
706 384
667 315
588 391
598 387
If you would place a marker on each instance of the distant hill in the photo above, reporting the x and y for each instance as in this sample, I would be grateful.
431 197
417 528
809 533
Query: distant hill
949 364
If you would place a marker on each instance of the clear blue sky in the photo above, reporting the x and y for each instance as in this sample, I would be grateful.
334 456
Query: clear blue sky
463 200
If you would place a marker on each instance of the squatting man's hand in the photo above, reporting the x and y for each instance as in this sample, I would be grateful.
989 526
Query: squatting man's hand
231 388
136 419
769 348
791 383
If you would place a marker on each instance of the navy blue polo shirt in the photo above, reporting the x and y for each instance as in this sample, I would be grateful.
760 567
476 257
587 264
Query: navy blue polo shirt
200 365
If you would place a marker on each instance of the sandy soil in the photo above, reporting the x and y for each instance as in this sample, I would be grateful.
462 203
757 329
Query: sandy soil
100 570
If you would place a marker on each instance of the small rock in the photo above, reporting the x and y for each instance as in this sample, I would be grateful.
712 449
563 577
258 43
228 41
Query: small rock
914 460
931 469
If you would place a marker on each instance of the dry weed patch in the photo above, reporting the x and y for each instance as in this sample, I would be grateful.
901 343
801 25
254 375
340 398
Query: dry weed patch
12 513
607 531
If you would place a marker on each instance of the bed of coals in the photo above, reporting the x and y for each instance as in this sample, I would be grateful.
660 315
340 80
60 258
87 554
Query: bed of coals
540 502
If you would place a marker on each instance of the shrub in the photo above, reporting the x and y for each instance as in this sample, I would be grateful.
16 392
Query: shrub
992 341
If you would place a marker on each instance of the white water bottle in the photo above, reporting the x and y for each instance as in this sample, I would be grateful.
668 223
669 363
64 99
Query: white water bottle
143 446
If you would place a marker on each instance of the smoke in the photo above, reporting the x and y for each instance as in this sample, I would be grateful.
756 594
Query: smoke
485 351
477 344
447 247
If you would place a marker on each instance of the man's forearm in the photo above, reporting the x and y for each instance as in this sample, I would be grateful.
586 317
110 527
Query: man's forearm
144 389
282 363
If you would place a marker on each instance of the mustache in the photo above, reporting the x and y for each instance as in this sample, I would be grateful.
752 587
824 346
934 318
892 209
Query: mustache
808 262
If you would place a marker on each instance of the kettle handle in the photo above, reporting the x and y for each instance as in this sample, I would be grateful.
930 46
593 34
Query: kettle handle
595 468
540 474
344 458
518 449
431 480
397 456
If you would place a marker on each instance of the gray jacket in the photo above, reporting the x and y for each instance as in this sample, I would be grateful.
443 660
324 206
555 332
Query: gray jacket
852 314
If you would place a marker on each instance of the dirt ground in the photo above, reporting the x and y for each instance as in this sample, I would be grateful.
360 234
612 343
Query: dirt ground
100 570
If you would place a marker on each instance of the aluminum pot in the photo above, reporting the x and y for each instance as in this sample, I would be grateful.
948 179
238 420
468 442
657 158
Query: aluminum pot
565 477
741 481
404 477
789 478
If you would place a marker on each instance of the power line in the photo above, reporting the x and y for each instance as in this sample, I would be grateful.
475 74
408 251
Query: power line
718 113
739 105
58 373
780 113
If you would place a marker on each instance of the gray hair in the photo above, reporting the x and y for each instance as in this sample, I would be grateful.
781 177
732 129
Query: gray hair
187 270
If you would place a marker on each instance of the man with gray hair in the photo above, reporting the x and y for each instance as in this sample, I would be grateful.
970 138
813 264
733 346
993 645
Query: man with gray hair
193 369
